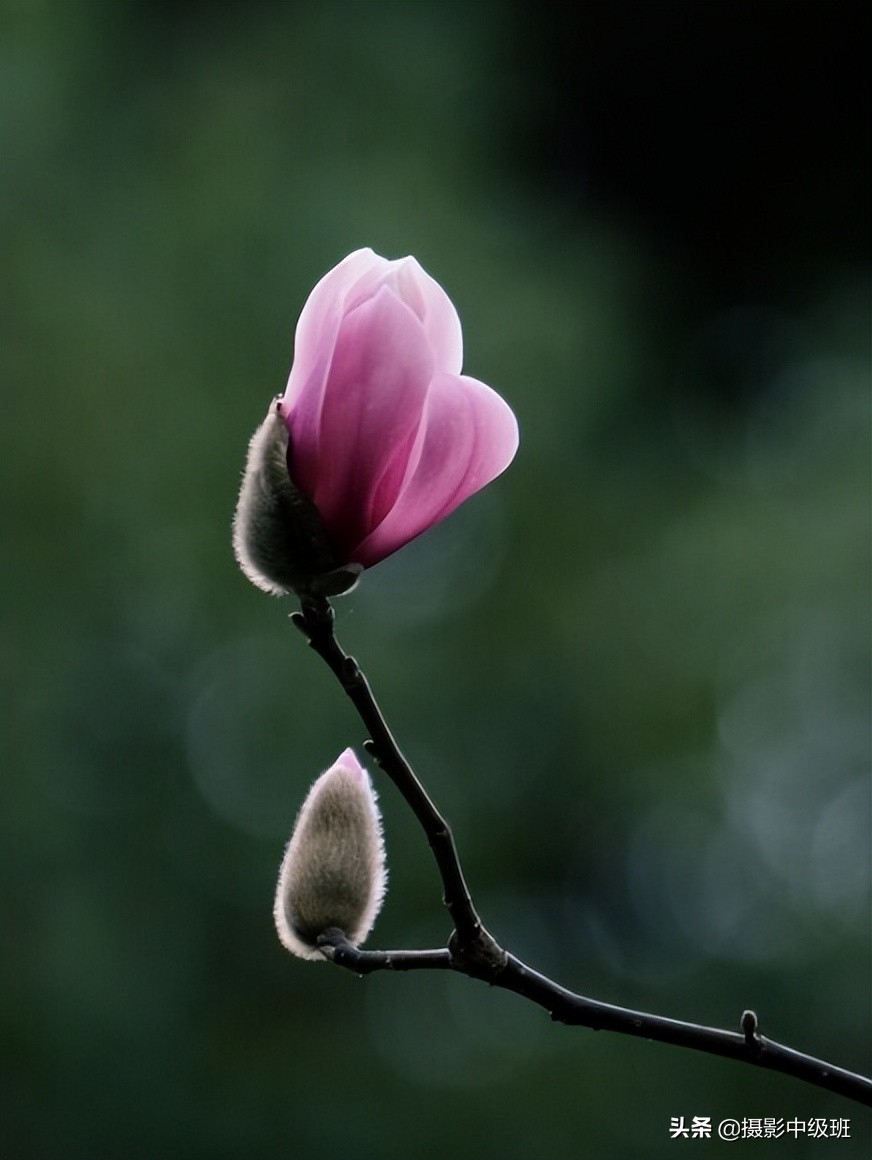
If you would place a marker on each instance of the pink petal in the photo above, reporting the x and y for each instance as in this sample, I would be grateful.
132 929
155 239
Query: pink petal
468 435
357 278
350 459
434 308
353 278
349 284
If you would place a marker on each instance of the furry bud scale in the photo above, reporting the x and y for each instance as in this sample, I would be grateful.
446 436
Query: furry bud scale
333 872
279 538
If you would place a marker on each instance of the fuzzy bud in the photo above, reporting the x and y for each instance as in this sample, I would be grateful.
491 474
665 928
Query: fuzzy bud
279 538
333 872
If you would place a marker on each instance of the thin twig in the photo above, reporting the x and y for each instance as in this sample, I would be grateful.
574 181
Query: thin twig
474 952
336 947
316 623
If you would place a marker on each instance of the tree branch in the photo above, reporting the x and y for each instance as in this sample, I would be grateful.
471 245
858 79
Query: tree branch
474 952
316 623
336 947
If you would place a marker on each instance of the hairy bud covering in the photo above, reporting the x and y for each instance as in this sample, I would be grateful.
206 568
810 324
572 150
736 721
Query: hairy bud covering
279 539
333 872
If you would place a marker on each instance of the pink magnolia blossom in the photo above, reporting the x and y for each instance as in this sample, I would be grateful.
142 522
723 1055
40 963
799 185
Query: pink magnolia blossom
385 436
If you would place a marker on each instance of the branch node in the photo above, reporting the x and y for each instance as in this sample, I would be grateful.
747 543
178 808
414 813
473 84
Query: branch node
480 957
373 750
299 621
750 1029
330 941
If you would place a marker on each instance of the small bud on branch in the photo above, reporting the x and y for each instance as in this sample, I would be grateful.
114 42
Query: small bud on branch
333 875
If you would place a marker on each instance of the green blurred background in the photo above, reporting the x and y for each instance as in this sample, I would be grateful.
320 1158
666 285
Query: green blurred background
633 672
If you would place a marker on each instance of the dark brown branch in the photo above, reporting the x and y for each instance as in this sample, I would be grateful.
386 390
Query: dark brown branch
316 623
474 952
340 951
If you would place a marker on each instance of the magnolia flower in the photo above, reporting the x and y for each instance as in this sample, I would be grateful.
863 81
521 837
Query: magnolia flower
377 437
333 872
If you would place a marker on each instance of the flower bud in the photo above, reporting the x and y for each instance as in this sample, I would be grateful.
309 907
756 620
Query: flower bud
387 437
333 872
279 538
